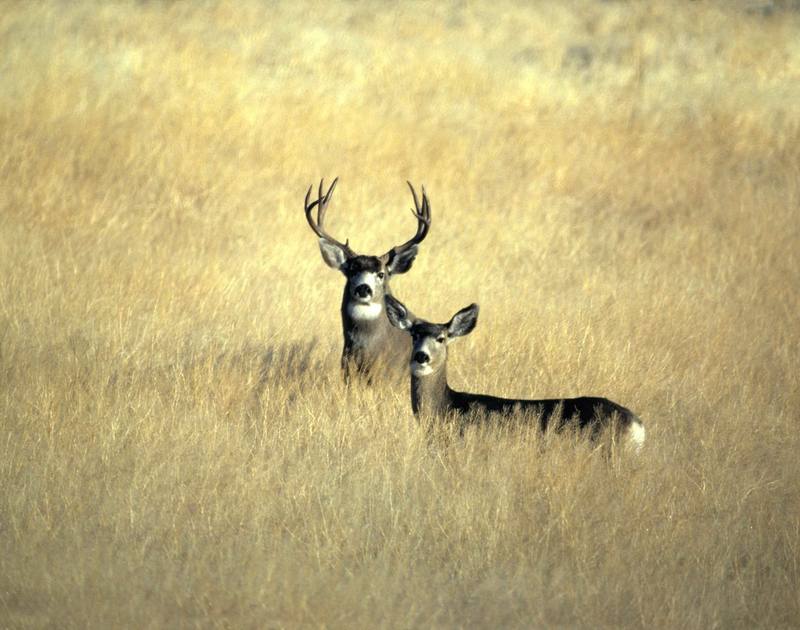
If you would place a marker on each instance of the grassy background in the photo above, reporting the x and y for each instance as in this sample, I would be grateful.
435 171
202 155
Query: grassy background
617 184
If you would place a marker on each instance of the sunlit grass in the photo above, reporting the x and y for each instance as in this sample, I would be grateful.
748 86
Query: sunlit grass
616 184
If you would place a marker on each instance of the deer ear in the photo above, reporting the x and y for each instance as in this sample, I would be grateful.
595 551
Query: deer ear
402 261
333 255
398 314
463 322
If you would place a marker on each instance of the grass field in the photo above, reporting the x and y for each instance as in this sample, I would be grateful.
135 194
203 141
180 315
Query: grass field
617 184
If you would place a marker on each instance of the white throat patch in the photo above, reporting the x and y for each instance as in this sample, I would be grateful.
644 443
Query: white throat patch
362 312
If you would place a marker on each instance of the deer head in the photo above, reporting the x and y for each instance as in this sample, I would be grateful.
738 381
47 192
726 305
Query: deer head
367 276
430 341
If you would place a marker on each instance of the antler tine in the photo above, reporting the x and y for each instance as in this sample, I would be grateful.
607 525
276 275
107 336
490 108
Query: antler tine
421 212
423 215
321 204
414 194
426 207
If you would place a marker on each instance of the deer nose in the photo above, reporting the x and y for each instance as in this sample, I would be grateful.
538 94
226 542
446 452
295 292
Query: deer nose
421 357
363 291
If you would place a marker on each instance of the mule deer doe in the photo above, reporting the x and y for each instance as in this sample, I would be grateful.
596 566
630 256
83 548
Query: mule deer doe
371 344
431 394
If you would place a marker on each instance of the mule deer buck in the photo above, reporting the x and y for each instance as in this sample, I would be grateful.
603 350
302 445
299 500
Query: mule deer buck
431 394
371 344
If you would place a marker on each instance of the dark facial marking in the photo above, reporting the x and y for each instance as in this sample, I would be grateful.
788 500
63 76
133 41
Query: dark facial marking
357 264
426 329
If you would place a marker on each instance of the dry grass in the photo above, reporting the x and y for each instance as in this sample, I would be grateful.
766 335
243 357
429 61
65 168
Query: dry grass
615 183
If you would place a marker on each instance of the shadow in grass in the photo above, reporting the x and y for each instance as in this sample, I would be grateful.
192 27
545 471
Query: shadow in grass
286 365
249 377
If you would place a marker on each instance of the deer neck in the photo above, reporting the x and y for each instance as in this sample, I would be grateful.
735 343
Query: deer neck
430 394
368 334
361 319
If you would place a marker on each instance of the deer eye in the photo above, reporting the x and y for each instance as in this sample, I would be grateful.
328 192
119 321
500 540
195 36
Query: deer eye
440 339
380 275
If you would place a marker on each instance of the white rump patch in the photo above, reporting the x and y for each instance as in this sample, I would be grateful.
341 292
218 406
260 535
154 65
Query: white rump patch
364 311
636 436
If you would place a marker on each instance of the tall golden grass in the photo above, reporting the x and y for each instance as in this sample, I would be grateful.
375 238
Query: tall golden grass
617 184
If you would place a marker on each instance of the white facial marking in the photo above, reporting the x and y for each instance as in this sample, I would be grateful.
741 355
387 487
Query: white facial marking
419 369
370 278
428 347
364 311
636 436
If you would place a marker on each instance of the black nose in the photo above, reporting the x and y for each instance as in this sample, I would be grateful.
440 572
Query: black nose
421 357
363 290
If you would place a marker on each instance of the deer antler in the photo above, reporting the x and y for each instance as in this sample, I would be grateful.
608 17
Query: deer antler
322 205
423 215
